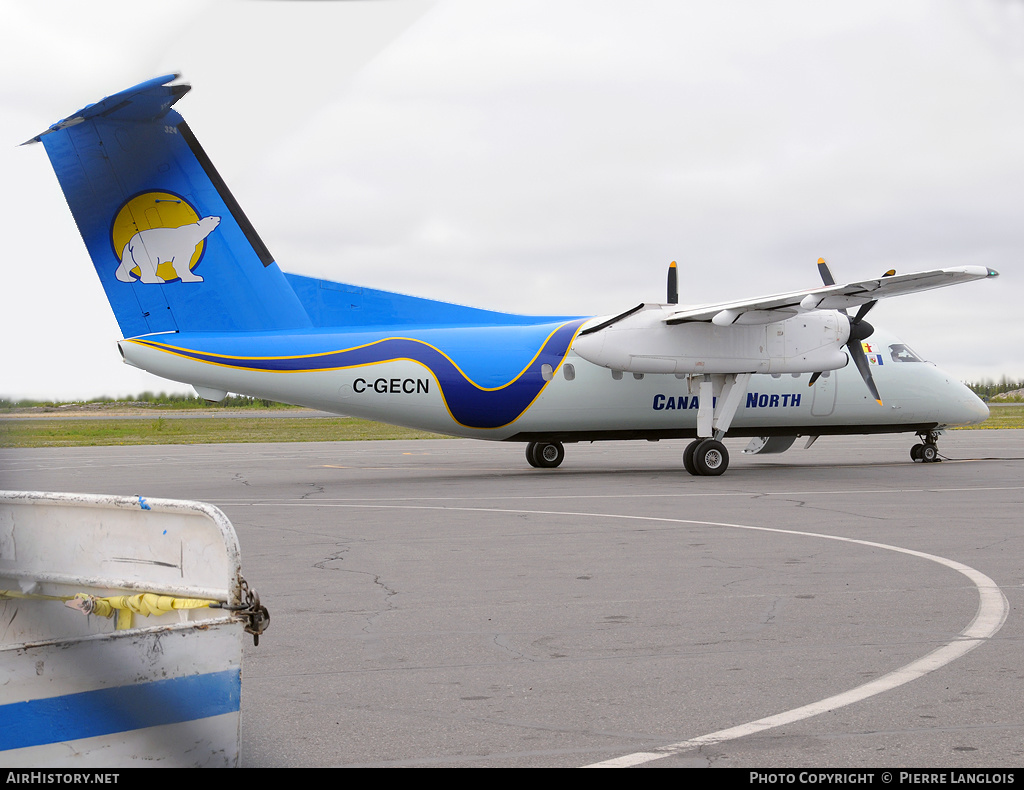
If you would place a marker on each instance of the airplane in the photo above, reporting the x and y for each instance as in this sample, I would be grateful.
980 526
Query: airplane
200 300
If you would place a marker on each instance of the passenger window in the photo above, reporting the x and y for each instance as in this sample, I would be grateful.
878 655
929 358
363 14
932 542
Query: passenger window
569 372
617 375
546 372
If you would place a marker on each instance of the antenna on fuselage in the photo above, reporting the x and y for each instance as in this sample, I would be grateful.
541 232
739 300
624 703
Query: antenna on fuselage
673 287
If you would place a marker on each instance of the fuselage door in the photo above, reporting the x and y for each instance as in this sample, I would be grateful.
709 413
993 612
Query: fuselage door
823 399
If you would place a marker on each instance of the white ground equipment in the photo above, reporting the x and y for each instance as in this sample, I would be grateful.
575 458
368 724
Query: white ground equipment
121 629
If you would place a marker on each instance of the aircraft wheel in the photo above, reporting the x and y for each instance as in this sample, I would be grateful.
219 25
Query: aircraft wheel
549 454
915 452
531 454
929 453
711 458
688 457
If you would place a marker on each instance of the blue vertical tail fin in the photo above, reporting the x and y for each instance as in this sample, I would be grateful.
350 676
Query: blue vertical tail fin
170 244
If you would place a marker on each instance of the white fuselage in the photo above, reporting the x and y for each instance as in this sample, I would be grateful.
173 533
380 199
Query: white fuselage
584 401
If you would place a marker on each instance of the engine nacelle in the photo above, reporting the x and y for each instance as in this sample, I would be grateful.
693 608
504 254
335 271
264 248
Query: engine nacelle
644 343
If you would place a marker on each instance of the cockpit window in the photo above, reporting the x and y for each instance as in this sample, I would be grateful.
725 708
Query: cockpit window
903 353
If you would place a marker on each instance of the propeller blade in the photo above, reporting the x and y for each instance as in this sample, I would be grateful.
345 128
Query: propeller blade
673 289
860 359
825 272
814 378
864 310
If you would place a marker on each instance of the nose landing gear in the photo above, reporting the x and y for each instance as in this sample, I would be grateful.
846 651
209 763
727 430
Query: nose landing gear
928 452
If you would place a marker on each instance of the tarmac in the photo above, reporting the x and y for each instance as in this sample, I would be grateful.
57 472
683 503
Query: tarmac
442 603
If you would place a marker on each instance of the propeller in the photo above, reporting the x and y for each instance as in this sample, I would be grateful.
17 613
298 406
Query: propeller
860 330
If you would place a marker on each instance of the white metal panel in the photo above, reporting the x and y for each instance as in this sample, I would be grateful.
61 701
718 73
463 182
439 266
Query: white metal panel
76 692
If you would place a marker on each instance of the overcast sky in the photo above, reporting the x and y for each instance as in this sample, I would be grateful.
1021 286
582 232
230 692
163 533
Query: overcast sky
546 157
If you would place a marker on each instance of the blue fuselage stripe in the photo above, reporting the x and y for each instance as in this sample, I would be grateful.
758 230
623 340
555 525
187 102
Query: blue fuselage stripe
470 405
106 711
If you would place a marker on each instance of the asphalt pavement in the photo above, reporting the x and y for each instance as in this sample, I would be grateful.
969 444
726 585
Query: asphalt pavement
442 603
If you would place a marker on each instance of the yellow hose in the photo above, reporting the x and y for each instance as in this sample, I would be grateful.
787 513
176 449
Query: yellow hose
125 605
142 603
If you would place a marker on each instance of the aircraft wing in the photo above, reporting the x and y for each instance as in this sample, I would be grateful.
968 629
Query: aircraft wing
830 297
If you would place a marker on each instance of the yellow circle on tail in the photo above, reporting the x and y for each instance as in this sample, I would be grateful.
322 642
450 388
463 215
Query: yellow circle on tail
154 210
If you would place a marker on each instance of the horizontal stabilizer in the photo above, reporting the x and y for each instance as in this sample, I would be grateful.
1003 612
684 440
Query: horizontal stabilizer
145 102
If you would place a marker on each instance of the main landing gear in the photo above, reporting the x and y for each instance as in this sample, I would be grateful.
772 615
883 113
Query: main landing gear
928 452
720 397
706 457
545 455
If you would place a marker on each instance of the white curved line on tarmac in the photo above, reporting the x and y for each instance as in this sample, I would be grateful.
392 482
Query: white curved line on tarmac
992 611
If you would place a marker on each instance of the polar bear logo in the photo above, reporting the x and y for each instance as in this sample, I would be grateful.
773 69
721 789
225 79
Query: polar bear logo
150 248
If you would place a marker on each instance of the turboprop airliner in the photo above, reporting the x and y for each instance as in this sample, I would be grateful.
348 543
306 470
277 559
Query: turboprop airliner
199 299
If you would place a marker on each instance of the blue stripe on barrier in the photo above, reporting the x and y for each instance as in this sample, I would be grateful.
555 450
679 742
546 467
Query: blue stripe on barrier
92 713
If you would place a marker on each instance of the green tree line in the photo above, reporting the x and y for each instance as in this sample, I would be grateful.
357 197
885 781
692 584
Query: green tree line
174 400
988 389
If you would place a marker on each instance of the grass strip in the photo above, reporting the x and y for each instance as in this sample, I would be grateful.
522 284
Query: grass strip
1000 415
191 430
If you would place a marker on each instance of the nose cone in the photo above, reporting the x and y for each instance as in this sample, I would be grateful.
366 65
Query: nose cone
964 408
978 409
